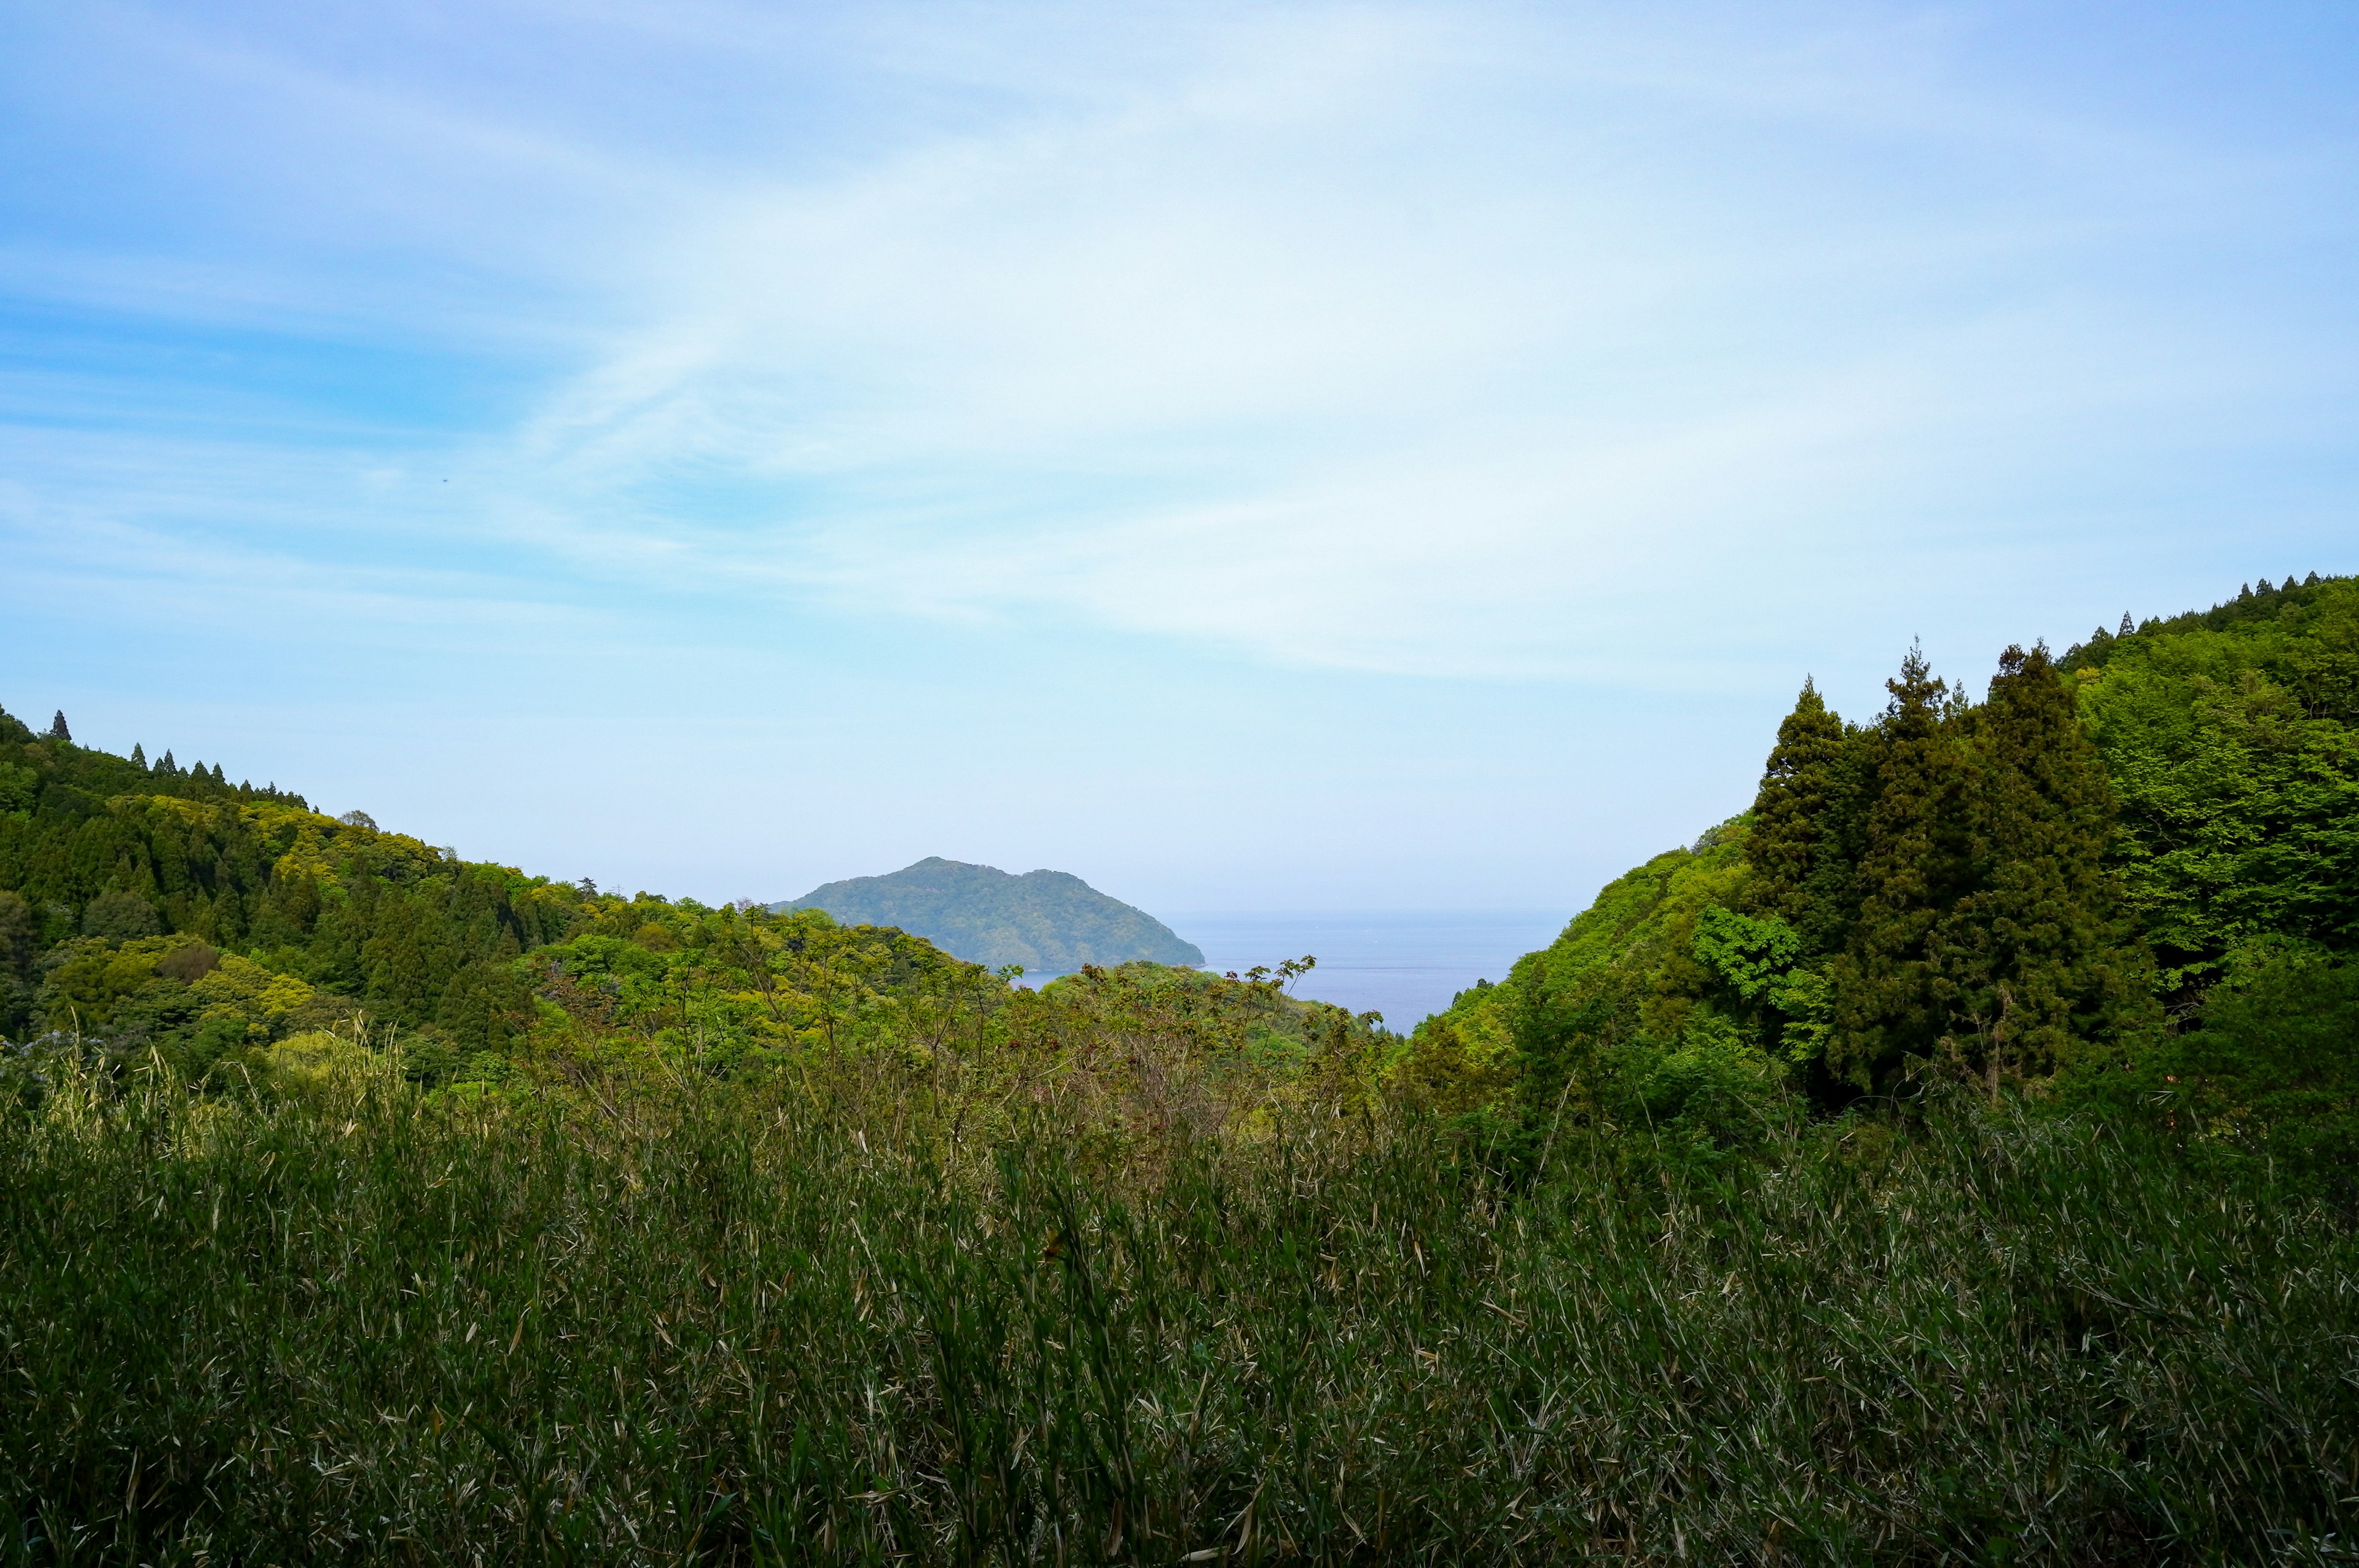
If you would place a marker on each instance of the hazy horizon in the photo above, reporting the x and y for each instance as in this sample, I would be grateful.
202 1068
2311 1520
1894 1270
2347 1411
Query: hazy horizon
1254 458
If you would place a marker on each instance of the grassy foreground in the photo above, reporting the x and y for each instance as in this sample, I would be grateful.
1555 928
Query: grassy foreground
368 1328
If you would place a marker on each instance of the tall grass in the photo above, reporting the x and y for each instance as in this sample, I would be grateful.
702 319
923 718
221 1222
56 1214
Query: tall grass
366 1328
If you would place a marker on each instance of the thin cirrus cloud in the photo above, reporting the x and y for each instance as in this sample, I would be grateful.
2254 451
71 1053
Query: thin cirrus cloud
1390 358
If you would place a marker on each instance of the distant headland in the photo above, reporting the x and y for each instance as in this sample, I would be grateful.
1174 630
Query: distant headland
1051 923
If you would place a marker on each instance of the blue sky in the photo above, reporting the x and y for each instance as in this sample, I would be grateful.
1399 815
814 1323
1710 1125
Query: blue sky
1258 457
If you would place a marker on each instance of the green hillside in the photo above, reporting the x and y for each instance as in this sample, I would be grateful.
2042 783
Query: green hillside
2132 871
157 915
1948 1159
1048 923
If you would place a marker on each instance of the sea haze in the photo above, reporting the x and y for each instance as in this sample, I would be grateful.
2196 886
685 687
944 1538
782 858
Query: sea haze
1403 964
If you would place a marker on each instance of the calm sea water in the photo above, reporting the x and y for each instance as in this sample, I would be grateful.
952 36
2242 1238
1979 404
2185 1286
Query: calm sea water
1403 965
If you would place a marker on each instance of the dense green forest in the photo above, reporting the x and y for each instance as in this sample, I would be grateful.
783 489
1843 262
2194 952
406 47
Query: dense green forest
1949 1158
2126 878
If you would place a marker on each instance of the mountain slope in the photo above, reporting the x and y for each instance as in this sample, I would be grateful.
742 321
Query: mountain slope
1049 921
2217 809
152 911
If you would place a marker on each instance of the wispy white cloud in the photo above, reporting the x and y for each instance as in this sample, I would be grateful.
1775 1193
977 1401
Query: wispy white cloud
812 386
1404 338
1400 339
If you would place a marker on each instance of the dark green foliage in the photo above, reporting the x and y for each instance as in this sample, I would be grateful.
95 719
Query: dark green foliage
1049 922
485 1005
1915 863
1957 870
19 942
1805 825
1980 892
726 1332
120 916
2267 1075
18 934
2274 1069
2035 961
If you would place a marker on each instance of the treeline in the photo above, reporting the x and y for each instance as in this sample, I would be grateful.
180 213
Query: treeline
1932 890
153 914
2127 878
151 905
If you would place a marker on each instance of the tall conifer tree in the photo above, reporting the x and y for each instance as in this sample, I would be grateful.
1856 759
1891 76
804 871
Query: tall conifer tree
1796 847
1889 994
2035 954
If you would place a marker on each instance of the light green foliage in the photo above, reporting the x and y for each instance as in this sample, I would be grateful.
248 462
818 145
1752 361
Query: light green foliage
889 1032
1752 953
2233 742
1626 1020
727 989
1804 999
1460 1065
1760 958
175 995
120 852
259 998
322 1067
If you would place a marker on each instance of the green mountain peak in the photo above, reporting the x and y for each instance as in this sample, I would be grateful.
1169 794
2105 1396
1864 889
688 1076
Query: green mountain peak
1051 923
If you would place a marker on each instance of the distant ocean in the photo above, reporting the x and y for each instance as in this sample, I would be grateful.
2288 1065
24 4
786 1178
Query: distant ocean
1403 965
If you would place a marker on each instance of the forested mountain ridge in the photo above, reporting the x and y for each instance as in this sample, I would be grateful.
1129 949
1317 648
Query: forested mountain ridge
1049 922
149 907
161 904
149 912
2130 871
